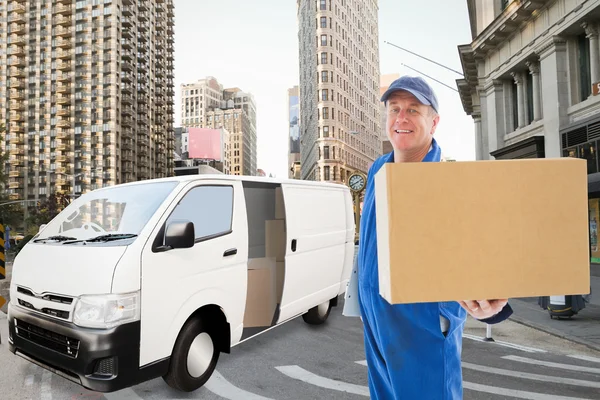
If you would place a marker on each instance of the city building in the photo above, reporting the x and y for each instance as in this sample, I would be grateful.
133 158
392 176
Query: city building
86 93
294 133
205 104
385 82
531 76
340 128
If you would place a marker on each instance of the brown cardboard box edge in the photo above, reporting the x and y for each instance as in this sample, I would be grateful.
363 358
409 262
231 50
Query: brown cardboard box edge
482 229
261 297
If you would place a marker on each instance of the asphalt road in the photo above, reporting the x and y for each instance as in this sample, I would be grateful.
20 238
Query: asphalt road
298 361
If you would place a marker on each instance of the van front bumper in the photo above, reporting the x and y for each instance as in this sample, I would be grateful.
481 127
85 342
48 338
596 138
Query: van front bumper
102 360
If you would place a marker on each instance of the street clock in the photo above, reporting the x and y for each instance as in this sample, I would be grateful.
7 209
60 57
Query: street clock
357 181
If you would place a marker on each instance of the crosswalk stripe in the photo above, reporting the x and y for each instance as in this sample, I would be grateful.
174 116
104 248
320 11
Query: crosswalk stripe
505 344
585 358
553 364
519 394
221 387
535 377
295 372
363 362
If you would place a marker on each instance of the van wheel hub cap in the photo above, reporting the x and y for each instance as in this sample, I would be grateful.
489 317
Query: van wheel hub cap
322 308
200 355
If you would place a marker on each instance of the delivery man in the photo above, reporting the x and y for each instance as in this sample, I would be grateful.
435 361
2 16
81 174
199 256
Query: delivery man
413 351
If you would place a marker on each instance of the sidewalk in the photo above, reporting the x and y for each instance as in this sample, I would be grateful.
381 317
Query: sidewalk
583 328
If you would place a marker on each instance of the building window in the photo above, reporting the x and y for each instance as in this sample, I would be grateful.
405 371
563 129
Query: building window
323 40
326 173
529 82
324 76
323 4
325 113
583 53
326 152
324 95
323 58
323 22
325 131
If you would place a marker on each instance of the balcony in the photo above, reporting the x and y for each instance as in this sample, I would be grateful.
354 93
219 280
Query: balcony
16 72
16 50
16 8
17 95
15 105
61 31
15 174
63 123
16 18
64 100
15 61
63 21
63 65
64 54
63 134
16 128
16 161
18 117
17 139
64 145
64 112
63 9
15 184
63 88
63 43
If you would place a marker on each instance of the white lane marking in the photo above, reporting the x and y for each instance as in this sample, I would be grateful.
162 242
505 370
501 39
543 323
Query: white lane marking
505 344
535 377
29 380
519 394
585 358
123 394
363 362
553 364
46 389
295 372
221 387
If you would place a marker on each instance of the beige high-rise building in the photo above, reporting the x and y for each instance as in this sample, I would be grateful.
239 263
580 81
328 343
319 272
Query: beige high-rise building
339 88
196 98
386 81
205 104
86 92
237 114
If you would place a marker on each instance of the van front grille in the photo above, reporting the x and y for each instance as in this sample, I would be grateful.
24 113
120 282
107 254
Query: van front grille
48 339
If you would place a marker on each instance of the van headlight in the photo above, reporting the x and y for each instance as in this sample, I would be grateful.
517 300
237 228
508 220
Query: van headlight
107 311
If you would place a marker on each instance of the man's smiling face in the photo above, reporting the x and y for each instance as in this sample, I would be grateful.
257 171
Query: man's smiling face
410 124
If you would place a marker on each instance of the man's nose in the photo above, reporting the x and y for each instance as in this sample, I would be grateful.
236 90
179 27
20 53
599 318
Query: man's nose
402 115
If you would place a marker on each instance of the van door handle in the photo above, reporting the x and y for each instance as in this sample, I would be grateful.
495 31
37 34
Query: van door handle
230 252
293 244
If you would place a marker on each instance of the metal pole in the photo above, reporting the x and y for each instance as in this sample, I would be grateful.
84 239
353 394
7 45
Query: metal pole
488 333
441 83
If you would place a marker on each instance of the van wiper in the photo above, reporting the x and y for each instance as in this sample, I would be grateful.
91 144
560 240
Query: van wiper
105 238
58 238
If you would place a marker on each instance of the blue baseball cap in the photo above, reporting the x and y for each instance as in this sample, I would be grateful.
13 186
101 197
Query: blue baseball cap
415 85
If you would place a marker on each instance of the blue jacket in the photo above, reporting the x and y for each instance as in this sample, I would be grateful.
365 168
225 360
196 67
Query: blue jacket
408 356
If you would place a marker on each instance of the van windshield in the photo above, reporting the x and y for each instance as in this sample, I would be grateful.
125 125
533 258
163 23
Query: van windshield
116 212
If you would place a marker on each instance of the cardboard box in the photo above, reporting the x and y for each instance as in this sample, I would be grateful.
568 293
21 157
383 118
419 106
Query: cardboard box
482 230
275 241
260 298
279 206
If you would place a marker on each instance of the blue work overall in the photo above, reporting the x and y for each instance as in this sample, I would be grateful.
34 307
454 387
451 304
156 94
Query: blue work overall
408 355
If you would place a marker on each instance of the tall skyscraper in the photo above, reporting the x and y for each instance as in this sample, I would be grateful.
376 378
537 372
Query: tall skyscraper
339 88
205 104
294 132
86 93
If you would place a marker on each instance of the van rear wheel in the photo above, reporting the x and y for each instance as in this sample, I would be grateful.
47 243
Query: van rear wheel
318 314
194 357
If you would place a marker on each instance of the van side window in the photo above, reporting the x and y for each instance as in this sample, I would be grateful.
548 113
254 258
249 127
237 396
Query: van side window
210 208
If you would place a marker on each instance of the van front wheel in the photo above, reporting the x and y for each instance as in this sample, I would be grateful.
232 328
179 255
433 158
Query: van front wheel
318 314
194 357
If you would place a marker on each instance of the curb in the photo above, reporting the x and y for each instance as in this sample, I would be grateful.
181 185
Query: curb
555 332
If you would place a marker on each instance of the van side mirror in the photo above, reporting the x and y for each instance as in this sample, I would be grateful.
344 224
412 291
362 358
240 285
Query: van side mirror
180 235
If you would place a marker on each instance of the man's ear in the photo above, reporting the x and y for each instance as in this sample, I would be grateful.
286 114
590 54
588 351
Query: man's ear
436 120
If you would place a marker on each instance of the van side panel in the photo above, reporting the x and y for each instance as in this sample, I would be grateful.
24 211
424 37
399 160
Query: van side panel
316 223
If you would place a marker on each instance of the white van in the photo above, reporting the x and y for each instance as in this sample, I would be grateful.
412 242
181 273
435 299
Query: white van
157 277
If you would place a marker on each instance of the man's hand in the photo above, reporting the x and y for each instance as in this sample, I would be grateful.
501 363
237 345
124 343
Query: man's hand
482 309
